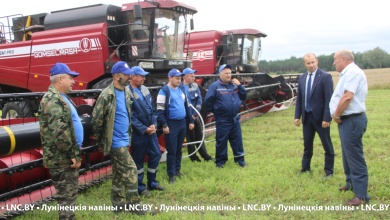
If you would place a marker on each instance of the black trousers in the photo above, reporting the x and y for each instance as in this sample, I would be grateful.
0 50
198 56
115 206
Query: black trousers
196 135
310 128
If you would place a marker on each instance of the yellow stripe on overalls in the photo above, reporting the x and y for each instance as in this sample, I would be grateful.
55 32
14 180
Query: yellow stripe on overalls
12 139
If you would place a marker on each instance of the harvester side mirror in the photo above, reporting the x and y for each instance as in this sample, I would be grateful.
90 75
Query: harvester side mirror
259 45
230 38
192 24
137 11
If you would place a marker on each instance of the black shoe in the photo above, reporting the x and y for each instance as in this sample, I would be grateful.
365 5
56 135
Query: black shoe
327 176
345 188
145 193
178 174
172 179
242 163
221 165
195 159
158 187
209 159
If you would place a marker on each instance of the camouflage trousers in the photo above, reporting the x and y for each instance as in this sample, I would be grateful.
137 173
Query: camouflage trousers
65 181
124 178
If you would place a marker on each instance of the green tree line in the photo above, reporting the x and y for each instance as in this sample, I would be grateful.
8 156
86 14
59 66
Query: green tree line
371 59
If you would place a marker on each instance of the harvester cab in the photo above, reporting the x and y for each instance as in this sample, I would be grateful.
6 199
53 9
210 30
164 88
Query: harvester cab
154 37
242 50
239 48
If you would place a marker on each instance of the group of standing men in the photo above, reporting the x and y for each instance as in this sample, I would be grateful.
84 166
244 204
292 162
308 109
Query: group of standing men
317 104
124 113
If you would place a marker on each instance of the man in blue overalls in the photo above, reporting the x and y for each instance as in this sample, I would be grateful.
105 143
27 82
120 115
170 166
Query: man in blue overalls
224 98
144 125
174 114
195 99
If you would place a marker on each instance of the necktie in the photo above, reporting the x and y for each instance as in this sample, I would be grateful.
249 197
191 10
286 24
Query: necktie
308 89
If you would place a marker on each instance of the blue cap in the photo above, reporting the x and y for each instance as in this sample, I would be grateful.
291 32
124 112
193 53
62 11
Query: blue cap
224 66
174 72
189 71
137 70
62 68
121 67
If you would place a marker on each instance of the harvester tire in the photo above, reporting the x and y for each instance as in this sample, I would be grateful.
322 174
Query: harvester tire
208 82
21 109
102 84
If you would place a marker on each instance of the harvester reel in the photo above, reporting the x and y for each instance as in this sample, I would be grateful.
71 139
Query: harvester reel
209 81
21 109
254 93
102 84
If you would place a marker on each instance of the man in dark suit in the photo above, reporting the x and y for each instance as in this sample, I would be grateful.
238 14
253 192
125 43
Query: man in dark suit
315 88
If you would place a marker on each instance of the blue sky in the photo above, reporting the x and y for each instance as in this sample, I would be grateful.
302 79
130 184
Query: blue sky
293 27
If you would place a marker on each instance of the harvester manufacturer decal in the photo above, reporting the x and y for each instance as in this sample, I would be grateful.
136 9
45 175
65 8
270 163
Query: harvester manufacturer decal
66 48
14 52
90 44
201 55
54 49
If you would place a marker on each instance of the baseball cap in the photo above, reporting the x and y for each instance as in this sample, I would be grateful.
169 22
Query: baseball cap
61 68
189 71
224 66
121 67
137 70
174 72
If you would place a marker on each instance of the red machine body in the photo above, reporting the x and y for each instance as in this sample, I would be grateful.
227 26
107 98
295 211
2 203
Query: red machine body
209 49
90 40
27 63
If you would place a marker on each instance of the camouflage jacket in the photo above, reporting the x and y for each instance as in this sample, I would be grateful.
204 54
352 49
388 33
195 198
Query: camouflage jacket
57 132
103 117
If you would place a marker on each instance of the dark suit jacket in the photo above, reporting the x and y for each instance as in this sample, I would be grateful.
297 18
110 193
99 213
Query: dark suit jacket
320 95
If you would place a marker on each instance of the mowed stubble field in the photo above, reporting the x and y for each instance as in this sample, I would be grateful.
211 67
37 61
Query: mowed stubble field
376 78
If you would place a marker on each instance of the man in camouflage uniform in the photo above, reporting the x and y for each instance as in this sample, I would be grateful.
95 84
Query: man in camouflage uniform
111 122
61 136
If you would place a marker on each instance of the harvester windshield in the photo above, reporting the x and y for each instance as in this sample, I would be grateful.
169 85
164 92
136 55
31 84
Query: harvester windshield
244 49
167 28
251 45
169 35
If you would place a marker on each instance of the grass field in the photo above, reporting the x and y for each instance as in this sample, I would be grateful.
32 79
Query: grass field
273 148
269 187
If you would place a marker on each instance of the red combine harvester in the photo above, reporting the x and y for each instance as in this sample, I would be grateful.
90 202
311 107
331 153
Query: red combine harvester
241 49
150 34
